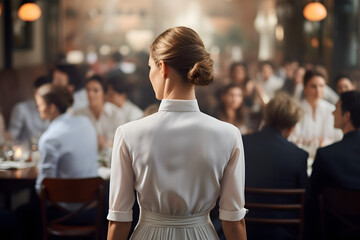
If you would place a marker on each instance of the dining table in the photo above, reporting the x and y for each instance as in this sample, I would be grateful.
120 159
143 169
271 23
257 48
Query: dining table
17 176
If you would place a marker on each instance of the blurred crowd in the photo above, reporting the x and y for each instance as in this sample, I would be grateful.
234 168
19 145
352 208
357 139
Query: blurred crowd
114 97
294 100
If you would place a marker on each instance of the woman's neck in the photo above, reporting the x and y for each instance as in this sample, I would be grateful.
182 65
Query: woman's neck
177 89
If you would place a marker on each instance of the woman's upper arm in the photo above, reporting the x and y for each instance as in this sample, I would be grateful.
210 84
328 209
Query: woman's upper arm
232 200
121 198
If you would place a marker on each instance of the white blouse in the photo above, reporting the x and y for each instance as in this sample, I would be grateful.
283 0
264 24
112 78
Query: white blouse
310 129
179 161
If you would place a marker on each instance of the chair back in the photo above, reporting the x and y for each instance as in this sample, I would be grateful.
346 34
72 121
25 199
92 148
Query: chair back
340 213
297 206
80 195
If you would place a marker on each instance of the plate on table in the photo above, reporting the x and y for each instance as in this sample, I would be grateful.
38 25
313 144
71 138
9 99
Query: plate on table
11 165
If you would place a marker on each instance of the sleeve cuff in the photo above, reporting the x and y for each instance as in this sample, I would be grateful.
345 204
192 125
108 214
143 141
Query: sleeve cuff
232 215
120 216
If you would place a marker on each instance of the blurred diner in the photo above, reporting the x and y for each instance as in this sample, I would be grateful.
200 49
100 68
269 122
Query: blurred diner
25 124
105 116
68 75
337 166
117 91
239 74
232 108
344 83
316 128
271 161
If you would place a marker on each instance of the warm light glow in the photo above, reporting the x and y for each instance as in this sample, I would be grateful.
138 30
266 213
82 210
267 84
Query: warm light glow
279 33
17 152
29 12
315 42
0 8
315 12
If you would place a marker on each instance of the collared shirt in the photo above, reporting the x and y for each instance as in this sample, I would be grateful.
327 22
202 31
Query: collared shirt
25 122
311 129
180 161
131 112
110 119
68 149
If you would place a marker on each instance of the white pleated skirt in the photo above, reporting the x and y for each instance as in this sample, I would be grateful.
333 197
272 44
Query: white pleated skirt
158 226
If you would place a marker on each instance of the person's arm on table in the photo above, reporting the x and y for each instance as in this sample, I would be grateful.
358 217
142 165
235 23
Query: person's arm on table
118 230
234 230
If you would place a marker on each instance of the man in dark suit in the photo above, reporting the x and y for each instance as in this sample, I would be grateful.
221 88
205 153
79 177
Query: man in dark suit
338 165
271 161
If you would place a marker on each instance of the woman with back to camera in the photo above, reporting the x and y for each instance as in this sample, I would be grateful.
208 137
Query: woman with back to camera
178 160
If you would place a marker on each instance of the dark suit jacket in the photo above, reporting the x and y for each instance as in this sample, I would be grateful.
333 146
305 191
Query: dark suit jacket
337 165
271 161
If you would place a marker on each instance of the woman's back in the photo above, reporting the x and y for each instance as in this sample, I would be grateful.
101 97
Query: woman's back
173 173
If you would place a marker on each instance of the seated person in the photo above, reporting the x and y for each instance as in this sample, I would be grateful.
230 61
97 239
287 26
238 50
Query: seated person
337 165
68 147
67 75
273 162
295 86
268 81
239 75
316 127
104 116
117 93
232 108
25 122
344 83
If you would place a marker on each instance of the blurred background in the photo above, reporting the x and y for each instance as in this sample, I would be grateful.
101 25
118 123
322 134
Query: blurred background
88 32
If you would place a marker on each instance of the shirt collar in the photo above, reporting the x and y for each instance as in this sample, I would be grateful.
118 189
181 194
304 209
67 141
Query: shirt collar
175 105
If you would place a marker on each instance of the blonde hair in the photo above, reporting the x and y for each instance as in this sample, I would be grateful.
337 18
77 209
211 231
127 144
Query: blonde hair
182 49
282 112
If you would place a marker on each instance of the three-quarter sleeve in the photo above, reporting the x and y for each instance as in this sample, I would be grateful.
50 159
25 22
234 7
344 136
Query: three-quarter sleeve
122 197
232 200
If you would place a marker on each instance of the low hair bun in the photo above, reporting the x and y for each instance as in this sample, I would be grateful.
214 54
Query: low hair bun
182 49
202 73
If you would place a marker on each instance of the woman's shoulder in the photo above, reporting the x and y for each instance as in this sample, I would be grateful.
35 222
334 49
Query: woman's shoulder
216 124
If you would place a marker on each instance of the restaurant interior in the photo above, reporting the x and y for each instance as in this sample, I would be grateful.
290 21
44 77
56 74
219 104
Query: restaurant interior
38 36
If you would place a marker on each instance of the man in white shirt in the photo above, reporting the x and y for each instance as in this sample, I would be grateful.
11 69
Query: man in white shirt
117 92
25 122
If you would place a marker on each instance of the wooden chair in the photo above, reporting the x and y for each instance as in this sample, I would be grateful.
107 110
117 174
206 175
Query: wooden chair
340 213
298 206
85 193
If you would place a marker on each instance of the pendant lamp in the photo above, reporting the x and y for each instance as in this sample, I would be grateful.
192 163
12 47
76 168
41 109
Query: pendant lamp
315 12
29 12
